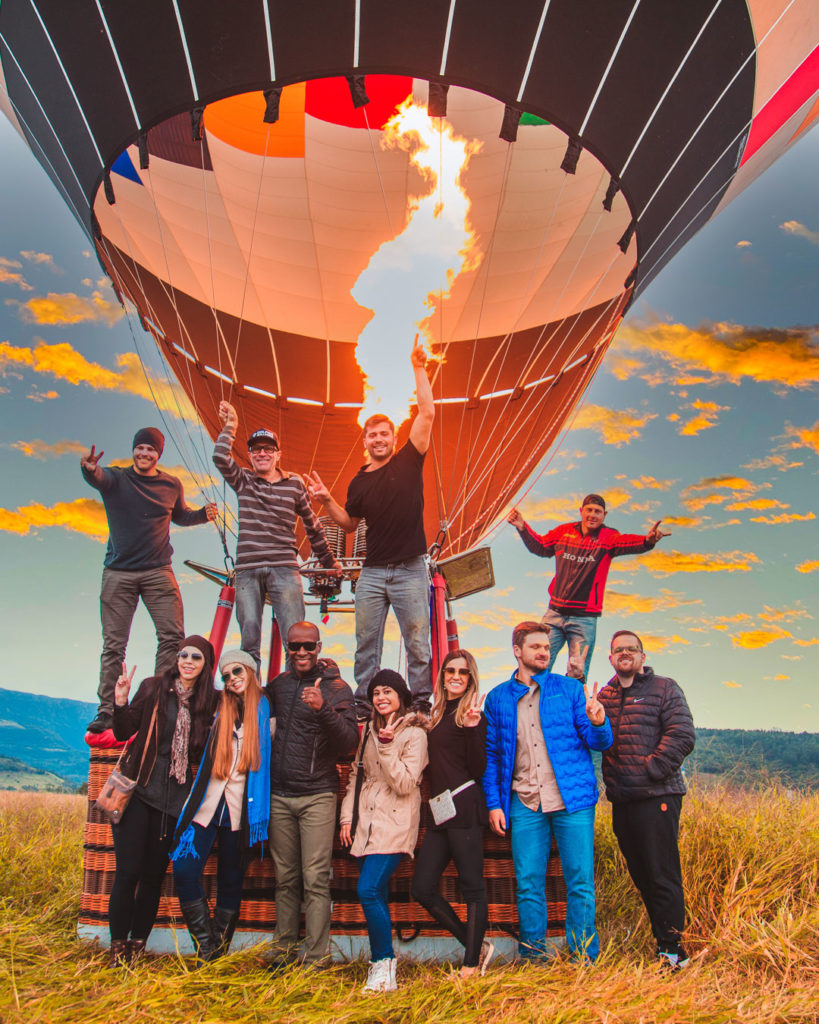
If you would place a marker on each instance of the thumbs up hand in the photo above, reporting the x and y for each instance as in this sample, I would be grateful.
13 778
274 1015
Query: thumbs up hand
311 695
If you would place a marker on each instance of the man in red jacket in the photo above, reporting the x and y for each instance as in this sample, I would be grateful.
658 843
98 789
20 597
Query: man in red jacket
583 552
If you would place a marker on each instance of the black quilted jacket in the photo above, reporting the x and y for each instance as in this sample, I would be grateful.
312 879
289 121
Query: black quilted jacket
653 734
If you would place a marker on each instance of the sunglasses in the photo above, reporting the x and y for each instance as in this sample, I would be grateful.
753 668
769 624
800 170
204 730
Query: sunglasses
191 655
234 673
630 650
266 449
297 645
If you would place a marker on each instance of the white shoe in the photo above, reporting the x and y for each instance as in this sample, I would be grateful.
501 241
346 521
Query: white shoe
381 976
486 954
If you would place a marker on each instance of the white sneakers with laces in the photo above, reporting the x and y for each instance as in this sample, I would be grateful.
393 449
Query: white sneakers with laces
381 976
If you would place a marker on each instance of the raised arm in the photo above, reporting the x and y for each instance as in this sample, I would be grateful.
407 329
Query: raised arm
222 457
92 471
319 491
421 429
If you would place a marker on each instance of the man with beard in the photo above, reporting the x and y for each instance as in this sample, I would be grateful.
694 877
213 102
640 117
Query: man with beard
540 782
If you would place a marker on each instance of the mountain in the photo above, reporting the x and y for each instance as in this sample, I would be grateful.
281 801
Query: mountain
16 775
46 733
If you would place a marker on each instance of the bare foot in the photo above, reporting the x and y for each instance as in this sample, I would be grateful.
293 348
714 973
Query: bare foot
468 972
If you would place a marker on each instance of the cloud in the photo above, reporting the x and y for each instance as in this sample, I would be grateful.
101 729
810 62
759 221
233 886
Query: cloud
83 515
660 644
41 258
755 503
42 450
783 614
496 619
666 563
806 437
14 277
10 264
732 685
616 427
784 517
793 227
652 483
807 567
707 491
622 366
743 243
65 363
753 639
58 309
43 396
807 643
618 603
779 462
687 521
567 509
707 416
788 357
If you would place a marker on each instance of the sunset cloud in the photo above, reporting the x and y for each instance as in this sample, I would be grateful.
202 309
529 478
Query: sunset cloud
794 227
59 309
652 483
807 567
618 603
732 684
753 639
743 243
84 515
784 517
615 427
687 521
64 362
805 437
756 503
707 414
709 491
667 563
567 509
10 274
788 357
41 258
42 450
780 462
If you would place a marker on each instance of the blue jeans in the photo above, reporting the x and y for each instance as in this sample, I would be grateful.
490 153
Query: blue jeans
531 841
282 584
405 587
566 629
187 871
373 892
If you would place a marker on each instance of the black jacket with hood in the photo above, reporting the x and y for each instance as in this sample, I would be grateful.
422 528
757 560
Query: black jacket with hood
308 744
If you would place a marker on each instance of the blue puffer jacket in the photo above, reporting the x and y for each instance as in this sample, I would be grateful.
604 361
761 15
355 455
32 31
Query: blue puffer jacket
568 733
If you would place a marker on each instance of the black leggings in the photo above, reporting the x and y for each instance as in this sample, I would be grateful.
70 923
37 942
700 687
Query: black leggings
465 847
141 848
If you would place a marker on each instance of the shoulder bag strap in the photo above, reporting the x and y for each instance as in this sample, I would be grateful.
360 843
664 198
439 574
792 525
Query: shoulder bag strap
359 777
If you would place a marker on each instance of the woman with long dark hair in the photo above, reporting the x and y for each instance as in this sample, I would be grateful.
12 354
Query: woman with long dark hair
457 760
170 715
230 800
381 811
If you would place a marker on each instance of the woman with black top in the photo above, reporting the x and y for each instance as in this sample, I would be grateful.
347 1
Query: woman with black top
230 800
457 760
171 715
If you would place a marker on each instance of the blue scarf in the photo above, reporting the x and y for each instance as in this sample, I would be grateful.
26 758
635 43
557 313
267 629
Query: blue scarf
258 791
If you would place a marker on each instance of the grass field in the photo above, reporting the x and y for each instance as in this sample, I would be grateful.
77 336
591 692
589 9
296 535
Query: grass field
751 863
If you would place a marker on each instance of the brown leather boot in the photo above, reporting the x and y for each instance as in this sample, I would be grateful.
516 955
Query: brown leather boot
136 948
119 953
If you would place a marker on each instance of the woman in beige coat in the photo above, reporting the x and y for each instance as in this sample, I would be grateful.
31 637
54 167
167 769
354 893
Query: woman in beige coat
384 824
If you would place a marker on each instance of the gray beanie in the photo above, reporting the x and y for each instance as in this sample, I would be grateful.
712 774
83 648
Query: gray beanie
237 657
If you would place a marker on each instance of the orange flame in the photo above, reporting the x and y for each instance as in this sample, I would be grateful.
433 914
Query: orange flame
410 275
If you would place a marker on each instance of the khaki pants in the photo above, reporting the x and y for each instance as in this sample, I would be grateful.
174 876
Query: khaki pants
301 844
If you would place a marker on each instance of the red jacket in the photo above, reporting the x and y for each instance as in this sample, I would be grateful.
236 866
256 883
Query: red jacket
581 563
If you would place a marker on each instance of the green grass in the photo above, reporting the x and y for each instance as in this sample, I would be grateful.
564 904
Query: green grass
751 861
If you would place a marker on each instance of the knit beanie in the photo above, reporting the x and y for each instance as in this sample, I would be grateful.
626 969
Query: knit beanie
155 438
203 645
387 677
236 657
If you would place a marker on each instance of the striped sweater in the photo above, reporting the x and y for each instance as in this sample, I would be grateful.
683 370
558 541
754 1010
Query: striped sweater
581 563
267 514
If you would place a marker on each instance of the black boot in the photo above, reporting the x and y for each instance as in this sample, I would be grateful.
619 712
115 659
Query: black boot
119 954
197 918
224 925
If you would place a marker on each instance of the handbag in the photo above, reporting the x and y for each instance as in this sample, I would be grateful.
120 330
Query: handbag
118 789
443 805
359 782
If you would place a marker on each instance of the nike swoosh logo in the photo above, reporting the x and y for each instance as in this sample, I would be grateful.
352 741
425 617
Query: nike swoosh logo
637 700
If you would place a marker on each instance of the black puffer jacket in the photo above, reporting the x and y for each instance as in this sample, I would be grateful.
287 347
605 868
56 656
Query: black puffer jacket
653 734
308 744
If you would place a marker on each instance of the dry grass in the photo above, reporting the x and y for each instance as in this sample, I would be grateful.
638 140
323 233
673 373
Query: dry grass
750 861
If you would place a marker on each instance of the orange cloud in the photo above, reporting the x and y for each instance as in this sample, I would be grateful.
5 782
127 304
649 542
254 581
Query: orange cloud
807 643
732 685
652 483
666 563
708 414
567 509
41 258
779 462
621 366
84 515
616 427
42 450
788 357
65 363
707 491
618 603
686 521
793 227
660 644
784 517
753 639
756 503
806 437
783 614
743 243
58 309
14 277
807 567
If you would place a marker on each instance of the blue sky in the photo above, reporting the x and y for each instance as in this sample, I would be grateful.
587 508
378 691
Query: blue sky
704 412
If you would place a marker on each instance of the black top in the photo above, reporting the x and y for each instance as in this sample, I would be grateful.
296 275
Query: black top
391 500
161 790
140 510
456 755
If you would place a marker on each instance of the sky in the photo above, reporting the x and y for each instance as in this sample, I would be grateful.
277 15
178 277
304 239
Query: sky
703 413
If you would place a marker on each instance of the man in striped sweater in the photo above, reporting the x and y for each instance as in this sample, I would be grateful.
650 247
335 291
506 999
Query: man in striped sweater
269 498
583 552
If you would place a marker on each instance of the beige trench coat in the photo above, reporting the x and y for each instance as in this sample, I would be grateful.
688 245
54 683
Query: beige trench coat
389 809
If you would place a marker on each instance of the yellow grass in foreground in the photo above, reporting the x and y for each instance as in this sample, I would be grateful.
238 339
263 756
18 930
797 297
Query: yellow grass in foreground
750 861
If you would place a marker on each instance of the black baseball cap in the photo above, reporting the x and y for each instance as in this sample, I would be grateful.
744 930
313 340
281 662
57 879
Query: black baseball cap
262 436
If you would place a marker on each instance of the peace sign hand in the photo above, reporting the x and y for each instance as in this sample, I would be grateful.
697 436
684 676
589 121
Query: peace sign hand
655 533
90 460
386 734
311 695
122 687
595 712
576 668
473 714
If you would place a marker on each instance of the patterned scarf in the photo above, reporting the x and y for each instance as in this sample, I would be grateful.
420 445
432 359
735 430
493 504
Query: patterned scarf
181 733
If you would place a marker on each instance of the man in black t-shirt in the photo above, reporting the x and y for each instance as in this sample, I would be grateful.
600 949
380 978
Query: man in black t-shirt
388 493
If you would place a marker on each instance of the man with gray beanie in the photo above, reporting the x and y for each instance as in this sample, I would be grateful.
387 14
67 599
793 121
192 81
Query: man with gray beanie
141 501
582 552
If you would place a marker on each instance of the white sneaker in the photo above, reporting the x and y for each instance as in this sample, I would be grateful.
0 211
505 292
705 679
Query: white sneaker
381 976
486 954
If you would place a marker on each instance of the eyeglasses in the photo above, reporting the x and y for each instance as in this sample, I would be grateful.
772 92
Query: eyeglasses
630 650
266 449
464 672
234 673
297 645
191 655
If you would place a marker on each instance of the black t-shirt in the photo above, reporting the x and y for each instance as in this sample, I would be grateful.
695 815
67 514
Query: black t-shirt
391 499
